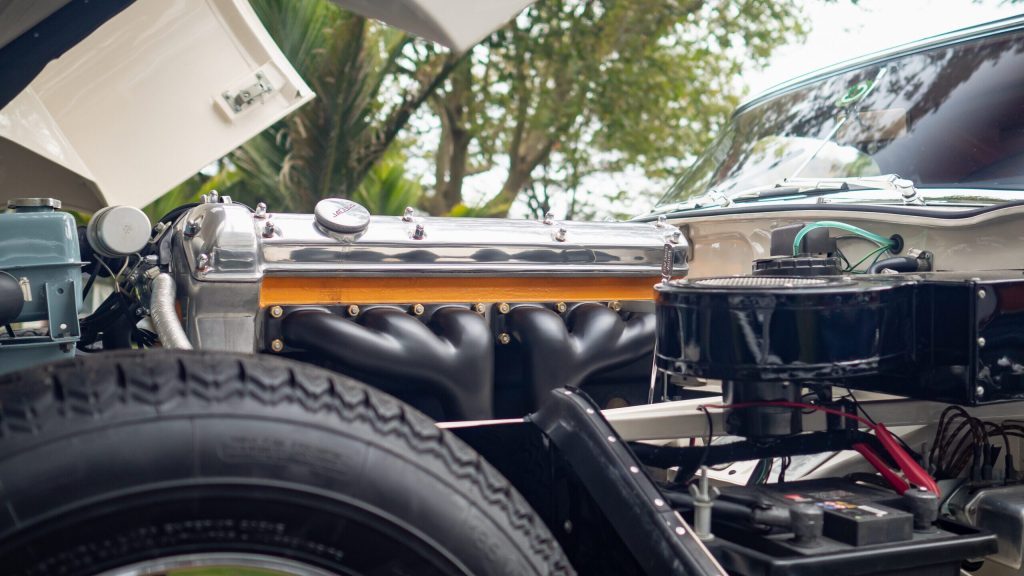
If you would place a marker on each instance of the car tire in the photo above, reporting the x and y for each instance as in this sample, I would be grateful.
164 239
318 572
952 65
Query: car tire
143 462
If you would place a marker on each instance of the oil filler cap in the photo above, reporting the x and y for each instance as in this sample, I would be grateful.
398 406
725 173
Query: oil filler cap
341 218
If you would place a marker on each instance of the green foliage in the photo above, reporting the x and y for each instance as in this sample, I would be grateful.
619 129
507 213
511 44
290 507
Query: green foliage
576 87
567 90
386 190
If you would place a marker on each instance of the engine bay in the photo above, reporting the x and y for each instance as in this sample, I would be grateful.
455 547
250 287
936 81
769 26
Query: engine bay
845 403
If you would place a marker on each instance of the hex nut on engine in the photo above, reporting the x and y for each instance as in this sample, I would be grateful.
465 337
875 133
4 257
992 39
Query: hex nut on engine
479 308
353 310
276 311
561 307
417 309
504 338
504 307
615 305
277 345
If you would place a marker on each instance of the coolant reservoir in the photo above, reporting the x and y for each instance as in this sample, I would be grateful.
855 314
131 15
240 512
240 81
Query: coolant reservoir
39 249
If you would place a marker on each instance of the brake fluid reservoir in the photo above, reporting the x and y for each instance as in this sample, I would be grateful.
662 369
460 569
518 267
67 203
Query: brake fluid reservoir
39 248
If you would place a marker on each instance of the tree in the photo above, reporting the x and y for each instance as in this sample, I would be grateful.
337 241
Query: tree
369 80
573 87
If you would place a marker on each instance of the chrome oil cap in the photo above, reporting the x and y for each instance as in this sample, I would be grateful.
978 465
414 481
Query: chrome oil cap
341 217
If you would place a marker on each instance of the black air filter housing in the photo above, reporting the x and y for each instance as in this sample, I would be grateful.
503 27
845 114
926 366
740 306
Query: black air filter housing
803 330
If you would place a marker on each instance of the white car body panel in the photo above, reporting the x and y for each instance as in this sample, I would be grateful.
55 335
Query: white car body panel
458 24
136 108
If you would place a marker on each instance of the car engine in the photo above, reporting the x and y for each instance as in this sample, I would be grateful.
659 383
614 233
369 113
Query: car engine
467 319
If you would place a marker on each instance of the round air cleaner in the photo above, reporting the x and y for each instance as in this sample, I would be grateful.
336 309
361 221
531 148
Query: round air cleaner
767 337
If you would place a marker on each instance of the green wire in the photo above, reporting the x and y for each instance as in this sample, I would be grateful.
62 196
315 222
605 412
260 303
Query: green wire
875 253
880 240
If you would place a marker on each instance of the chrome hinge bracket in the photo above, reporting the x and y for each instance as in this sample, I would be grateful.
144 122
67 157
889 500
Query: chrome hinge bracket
245 97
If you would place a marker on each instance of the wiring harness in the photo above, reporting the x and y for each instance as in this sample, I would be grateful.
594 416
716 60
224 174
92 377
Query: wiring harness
963 443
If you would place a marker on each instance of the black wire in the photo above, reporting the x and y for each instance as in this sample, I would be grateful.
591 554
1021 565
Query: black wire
857 405
707 443
92 278
10 330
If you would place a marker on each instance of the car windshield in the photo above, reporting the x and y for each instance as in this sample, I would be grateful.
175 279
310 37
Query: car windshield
946 117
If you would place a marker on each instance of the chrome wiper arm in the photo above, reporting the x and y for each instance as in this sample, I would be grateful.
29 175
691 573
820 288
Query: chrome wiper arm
892 183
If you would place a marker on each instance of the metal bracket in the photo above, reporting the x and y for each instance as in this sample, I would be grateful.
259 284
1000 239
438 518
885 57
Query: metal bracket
243 98
658 537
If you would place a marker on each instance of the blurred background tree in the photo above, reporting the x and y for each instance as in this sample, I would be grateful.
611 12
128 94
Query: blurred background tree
567 90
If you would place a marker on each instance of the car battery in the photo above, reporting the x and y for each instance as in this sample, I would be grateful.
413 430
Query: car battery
853 515
864 531
39 249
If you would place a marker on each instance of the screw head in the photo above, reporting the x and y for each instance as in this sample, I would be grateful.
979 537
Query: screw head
276 311
277 345
417 309
982 294
479 308
504 338
549 218
268 229
615 305
979 391
62 326
504 308
561 234
561 307
192 227
261 210
420 233
409 214
981 342
353 310
659 502
567 526
203 262
662 221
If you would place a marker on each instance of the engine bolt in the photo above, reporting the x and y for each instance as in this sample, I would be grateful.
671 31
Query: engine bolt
353 310
479 308
420 233
203 262
561 307
277 345
192 227
417 309
276 311
549 218
409 214
504 338
615 305
261 210
268 229
561 234
981 342
504 308
979 391
981 294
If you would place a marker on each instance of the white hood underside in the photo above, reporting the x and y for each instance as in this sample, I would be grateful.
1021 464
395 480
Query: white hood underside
138 106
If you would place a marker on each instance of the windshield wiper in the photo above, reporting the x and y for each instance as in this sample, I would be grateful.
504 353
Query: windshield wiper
892 183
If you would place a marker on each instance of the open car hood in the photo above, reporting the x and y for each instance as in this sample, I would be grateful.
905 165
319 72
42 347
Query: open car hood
118 101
